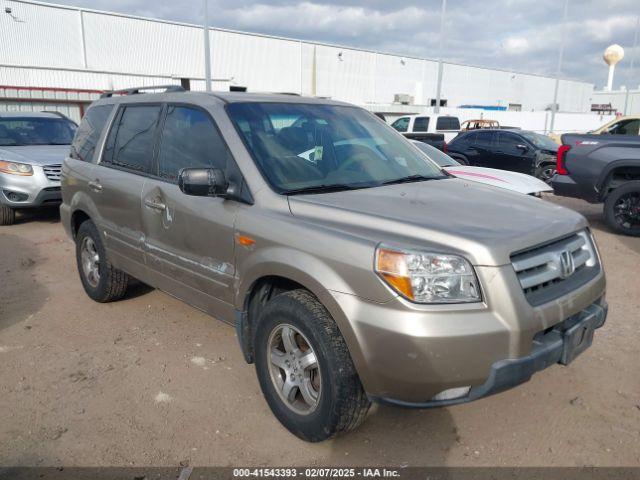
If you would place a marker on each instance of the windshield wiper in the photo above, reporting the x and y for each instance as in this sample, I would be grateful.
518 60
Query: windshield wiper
409 179
334 187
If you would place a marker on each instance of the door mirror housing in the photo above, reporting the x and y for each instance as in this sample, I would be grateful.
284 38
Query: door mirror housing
203 182
523 147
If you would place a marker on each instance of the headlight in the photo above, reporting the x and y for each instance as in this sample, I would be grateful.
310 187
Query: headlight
424 277
15 168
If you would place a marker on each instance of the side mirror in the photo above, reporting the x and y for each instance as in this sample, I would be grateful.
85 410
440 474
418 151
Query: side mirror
523 147
203 182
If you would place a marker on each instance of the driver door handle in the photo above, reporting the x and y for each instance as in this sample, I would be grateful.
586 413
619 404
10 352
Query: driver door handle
95 185
155 205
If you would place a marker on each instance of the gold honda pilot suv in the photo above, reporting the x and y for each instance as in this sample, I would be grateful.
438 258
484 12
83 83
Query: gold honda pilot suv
352 267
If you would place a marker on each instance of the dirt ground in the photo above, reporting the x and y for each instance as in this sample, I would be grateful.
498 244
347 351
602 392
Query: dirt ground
151 381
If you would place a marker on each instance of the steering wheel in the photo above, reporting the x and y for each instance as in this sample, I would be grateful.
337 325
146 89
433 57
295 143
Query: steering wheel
357 161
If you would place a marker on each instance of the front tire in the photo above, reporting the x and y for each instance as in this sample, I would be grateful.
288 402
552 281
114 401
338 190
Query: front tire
7 215
304 368
545 172
622 209
102 282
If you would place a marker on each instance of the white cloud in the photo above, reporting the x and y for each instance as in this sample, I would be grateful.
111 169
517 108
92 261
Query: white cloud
608 29
516 45
306 17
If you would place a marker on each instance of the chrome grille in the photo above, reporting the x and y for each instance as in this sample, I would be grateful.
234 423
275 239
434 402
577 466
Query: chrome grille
52 172
549 271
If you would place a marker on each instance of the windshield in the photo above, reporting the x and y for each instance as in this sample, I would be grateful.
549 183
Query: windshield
314 148
540 141
21 131
441 158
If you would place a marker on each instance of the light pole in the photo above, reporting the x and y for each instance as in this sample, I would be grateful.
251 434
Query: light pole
440 67
207 47
633 57
554 106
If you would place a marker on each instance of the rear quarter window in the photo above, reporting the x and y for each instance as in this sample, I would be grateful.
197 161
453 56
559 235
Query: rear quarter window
87 135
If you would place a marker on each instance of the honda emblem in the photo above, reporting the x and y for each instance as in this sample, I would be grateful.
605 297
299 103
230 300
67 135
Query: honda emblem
566 264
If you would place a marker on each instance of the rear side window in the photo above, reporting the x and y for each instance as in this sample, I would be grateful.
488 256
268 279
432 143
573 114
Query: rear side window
485 139
401 125
468 139
448 123
87 135
190 139
131 139
421 124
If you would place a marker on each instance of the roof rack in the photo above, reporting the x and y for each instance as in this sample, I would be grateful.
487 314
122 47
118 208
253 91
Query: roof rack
137 90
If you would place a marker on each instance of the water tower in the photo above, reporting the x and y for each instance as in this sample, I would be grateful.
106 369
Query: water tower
612 55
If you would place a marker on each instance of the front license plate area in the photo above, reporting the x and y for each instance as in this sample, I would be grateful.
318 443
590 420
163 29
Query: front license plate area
577 339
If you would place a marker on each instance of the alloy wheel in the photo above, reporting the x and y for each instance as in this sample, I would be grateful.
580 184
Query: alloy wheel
294 369
626 210
90 260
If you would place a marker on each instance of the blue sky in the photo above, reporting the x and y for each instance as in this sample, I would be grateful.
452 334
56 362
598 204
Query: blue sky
520 35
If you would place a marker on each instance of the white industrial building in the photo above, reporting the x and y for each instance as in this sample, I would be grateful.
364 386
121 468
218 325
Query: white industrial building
616 100
68 55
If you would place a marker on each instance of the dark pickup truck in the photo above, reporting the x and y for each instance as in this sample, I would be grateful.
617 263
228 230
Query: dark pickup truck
433 139
602 168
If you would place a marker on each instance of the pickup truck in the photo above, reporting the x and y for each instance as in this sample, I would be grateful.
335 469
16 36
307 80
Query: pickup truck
436 130
602 169
627 125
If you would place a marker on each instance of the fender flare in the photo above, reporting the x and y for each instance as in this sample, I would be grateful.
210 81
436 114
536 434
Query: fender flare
608 170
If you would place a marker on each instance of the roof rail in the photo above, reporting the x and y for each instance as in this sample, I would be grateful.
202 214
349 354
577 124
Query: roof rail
137 90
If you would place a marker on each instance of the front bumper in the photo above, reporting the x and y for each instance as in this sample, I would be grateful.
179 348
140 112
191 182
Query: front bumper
28 192
561 345
408 354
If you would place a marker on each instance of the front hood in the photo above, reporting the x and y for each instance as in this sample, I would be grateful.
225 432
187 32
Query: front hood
483 223
514 181
35 154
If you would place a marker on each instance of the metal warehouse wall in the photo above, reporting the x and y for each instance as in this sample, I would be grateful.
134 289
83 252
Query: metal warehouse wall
617 100
56 46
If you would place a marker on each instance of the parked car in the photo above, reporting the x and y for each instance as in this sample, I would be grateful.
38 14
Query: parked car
516 182
603 169
32 148
362 273
515 150
435 130
478 123
626 125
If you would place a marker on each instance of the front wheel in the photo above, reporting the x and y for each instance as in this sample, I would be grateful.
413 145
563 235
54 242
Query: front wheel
7 215
622 209
546 172
304 368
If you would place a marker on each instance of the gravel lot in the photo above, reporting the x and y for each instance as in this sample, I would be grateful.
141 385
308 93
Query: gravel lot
151 381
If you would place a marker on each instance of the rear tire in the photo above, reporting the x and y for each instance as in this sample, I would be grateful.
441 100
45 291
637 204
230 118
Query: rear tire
7 215
460 159
338 402
622 209
102 282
